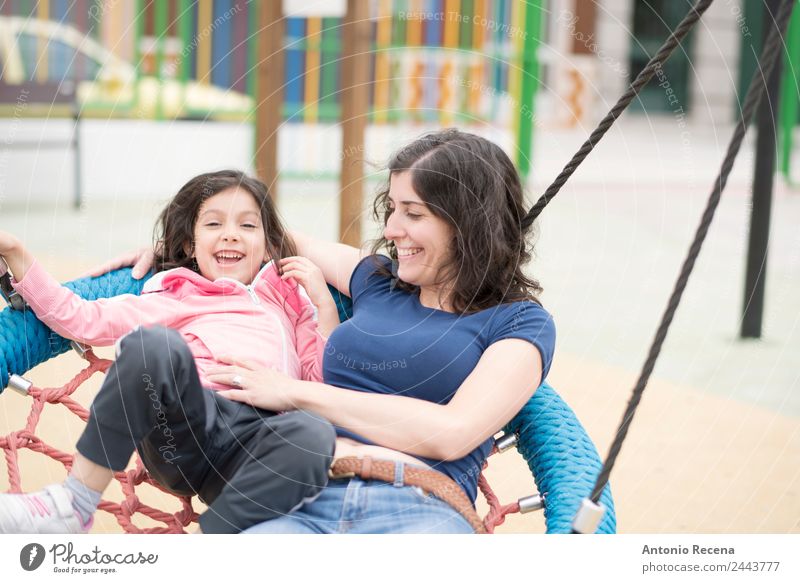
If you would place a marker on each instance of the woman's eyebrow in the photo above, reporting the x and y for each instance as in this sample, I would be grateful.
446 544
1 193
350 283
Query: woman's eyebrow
392 201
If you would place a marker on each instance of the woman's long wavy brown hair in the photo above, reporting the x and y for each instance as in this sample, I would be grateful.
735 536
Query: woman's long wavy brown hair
174 230
470 183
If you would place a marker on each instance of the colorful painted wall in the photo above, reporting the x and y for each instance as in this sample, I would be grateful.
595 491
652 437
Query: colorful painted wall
433 61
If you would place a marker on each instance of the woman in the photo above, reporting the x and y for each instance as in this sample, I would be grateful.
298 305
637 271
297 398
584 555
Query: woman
446 344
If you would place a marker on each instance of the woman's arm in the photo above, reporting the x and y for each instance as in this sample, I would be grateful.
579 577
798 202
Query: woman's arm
504 379
336 260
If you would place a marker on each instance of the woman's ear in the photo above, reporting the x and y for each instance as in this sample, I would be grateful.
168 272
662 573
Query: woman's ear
188 248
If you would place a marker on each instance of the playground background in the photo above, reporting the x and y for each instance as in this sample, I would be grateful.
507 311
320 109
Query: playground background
715 446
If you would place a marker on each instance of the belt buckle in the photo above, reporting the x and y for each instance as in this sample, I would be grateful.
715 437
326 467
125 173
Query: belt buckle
340 475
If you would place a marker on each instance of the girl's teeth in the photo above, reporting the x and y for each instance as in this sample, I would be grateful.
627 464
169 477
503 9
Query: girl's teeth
222 258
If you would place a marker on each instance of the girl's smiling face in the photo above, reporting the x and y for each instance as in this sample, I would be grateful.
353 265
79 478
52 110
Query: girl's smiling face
229 237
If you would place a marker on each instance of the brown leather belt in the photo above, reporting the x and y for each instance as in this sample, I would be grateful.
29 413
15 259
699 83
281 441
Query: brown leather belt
430 481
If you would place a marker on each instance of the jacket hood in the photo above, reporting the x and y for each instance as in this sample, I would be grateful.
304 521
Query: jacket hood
183 282
179 277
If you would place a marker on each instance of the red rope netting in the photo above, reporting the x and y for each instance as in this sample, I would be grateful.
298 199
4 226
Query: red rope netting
123 511
497 512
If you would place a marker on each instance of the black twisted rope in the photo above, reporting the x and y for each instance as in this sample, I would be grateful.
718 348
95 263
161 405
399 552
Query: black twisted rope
768 59
633 90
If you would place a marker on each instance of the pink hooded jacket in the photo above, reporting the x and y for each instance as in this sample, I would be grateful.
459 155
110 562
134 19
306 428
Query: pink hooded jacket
270 322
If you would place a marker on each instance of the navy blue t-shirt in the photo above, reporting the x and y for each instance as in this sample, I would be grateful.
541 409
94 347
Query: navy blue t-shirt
395 345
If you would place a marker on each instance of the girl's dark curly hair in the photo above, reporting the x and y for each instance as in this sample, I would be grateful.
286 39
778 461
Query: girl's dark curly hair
174 230
470 183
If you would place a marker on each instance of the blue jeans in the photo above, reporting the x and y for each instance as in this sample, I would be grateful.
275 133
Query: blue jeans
355 506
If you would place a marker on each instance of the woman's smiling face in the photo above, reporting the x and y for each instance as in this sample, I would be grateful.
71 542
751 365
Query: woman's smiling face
229 239
422 239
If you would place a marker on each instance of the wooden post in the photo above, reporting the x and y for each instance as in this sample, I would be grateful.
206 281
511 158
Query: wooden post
354 115
585 24
269 93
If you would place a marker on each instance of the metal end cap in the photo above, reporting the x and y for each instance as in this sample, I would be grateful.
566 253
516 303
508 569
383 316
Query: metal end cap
19 384
531 503
588 517
81 349
506 442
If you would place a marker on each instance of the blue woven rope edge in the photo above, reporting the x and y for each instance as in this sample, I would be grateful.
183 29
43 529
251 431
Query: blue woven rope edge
562 459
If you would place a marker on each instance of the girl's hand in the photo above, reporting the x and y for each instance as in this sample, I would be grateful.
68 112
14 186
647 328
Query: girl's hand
310 277
8 243
141 260
14 255
257 386
5 244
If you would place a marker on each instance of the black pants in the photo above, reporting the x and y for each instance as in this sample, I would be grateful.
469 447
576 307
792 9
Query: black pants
247 464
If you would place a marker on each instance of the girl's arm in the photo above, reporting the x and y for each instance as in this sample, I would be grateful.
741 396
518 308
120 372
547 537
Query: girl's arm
336 260
310 346
504 379
318 315
97 323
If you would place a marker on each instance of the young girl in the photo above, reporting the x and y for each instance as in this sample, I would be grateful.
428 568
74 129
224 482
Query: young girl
215 301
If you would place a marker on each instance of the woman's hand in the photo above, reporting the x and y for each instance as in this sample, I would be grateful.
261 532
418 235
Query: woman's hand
141 260
257 386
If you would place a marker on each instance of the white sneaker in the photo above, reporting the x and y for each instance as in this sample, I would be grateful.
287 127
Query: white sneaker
48 511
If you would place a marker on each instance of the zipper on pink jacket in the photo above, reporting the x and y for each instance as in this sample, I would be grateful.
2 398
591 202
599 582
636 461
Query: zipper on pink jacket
253 295
257 301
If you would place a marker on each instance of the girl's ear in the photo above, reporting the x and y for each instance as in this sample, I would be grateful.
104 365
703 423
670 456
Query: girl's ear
188 248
